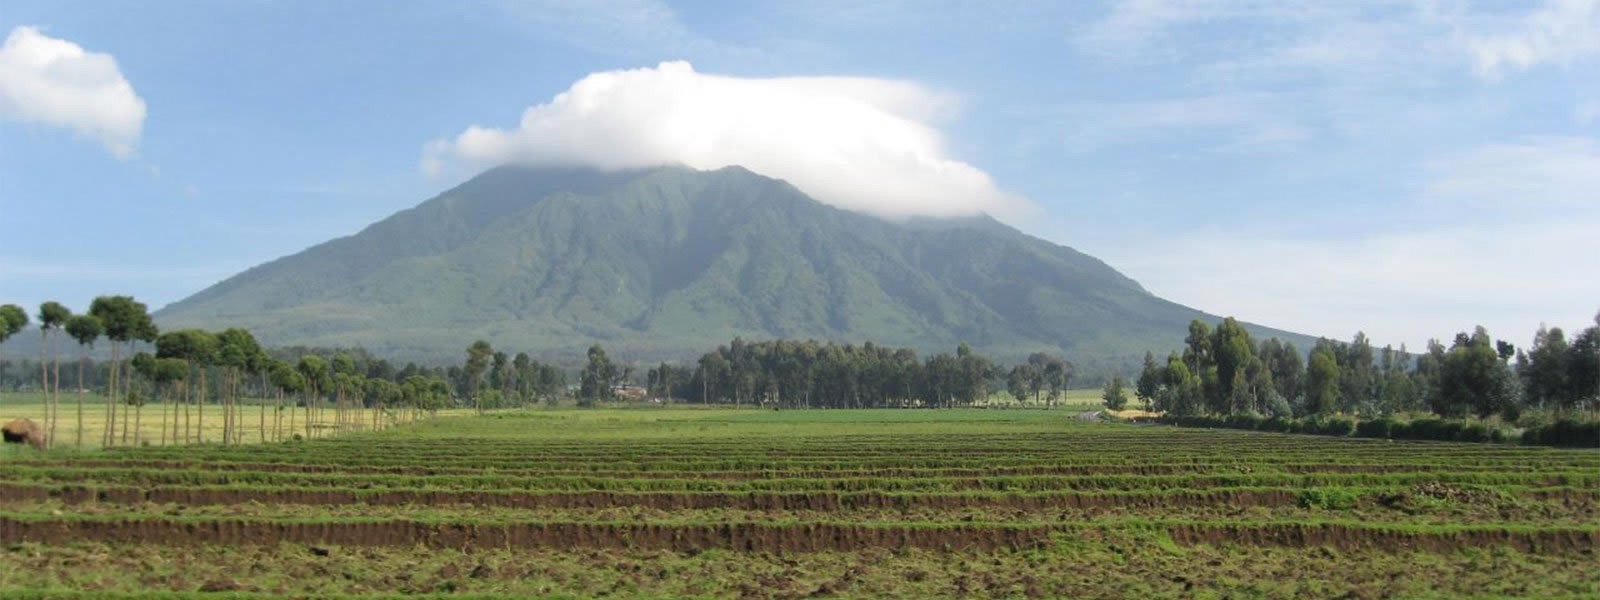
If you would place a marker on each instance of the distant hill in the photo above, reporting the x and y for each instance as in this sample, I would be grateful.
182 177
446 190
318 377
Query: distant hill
666 263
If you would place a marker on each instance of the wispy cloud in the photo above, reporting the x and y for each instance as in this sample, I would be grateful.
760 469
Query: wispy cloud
1230 121
1367 36
1542 176
1408 287
648 29
1562 31
1507 231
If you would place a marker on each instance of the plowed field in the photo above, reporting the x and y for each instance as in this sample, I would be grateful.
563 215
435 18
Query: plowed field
756 504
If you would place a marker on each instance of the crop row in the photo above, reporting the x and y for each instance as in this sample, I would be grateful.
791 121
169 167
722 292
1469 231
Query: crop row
151 477
656 461
781 501
795 472
771 537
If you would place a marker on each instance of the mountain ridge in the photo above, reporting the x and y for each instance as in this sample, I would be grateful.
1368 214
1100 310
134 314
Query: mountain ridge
668 262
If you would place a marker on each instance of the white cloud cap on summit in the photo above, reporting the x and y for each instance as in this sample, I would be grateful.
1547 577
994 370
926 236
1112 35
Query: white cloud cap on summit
56 82
857 143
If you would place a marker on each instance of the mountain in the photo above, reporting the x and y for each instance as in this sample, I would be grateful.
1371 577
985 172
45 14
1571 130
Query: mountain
669 262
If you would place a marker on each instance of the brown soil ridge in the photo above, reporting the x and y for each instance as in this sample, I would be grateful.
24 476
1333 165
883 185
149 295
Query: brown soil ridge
759 537
792 501
776 501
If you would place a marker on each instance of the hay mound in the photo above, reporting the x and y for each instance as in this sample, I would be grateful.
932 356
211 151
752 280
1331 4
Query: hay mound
24 431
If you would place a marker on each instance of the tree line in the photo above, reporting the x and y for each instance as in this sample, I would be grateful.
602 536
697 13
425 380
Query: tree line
190 368
813 374
1223 371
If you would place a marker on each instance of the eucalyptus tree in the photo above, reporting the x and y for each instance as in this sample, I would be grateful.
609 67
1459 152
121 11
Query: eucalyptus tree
382 393
1114 395
286 381
260 363
236 350
1018 381
526 373
439 394
168 375
478 355
125 320
598 375
341 383
315 372
12 320
197 349
499 371
84 329
52 316
344 372
144 366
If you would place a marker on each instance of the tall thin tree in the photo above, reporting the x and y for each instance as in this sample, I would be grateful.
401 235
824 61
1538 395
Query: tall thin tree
52 315
85 329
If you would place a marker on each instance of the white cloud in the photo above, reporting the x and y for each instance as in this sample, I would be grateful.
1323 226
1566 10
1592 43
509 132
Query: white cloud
56 82
1561 31
857 143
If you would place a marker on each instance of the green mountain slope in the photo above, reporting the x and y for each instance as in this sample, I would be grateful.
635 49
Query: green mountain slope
666 263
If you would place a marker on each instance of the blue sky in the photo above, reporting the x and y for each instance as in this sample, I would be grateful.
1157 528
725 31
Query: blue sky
1406 169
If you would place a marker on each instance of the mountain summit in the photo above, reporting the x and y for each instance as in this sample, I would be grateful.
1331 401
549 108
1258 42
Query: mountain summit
669 262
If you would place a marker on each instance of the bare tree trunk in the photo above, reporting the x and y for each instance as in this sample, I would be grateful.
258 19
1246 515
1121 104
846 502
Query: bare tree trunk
55 396
291 420
127 385
164 402
200 409
125 424
44 382
188 397
111 396
313 394
225 394
82 358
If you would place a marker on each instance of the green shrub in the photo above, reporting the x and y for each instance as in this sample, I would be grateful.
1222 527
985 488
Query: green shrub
1250 422
1475 432
1432 429
1334 426
1565 432
1376 428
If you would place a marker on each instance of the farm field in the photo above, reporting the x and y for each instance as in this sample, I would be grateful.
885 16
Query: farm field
718 503
256 423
